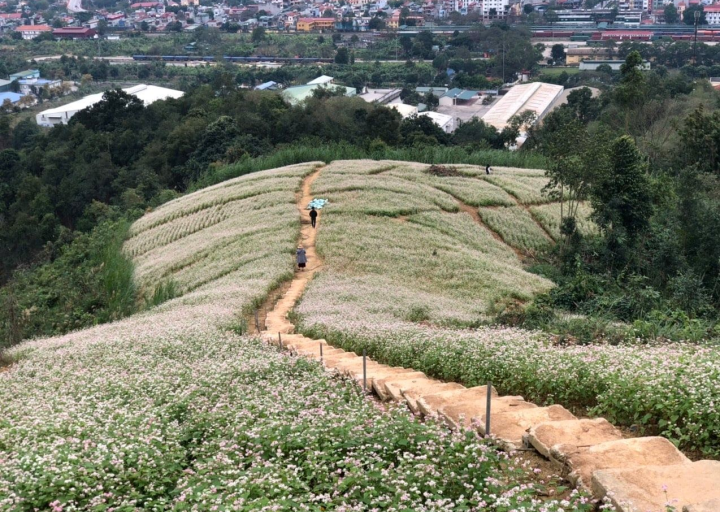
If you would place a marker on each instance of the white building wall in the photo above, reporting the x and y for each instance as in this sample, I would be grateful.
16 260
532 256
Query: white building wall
501 6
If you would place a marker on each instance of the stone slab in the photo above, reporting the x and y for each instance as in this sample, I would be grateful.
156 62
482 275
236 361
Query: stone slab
580 463
390 375
410 393
428 404
580 433
464 413
509 428
385 394
648 488
705 506
395 389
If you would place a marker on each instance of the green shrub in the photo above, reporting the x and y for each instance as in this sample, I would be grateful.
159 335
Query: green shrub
89 281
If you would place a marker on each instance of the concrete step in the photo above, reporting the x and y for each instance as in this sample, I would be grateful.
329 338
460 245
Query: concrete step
462 414
411 394
379 383
580 433
648 488
430 403
509 428
580 463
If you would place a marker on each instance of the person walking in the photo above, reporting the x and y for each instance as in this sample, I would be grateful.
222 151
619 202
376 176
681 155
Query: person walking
487 169
313 216
301 257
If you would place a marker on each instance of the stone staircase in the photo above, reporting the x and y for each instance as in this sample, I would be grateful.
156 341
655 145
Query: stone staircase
636 474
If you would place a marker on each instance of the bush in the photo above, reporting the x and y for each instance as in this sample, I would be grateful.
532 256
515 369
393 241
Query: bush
88 282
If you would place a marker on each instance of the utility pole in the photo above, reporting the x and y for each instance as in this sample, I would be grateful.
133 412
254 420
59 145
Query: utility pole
697 19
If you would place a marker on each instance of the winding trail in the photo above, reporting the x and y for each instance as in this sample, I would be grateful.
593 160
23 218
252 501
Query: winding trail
639 473
276 320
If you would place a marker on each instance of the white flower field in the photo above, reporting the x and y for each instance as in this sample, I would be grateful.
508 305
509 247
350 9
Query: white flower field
385 279
174 409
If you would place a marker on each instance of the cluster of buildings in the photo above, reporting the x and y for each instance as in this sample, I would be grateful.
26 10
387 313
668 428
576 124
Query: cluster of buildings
329 15
22 88
454 104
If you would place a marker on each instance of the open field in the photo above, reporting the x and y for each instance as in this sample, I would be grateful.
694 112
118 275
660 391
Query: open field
173 409
388 225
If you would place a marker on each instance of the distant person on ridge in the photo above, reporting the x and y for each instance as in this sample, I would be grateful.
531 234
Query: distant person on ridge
301 257
313 216
487 169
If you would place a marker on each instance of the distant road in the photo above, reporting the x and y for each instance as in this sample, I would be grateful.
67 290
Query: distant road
75 6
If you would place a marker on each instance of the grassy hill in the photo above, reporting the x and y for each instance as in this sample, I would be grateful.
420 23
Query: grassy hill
173 409
176 409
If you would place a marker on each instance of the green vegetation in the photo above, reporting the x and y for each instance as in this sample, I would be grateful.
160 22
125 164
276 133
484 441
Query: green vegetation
86 281
653 263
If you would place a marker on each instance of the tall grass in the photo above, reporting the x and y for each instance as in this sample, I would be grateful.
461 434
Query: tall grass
298 153
117 275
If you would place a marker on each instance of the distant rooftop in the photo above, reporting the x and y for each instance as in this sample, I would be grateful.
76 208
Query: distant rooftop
324 79
536 97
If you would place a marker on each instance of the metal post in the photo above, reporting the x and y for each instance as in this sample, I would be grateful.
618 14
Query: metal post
257 321
279 340
487 409
364 371
321 353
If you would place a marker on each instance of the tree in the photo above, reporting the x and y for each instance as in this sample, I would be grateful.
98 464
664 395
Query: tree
622 197
528 8
258 34
384 123
477 133
557 52
584 106
671 14
342 56
109 113
633 87
328 13
689 15
551 16
144 26
700 134
376 23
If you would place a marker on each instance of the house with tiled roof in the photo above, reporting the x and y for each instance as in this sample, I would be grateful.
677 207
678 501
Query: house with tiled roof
32 31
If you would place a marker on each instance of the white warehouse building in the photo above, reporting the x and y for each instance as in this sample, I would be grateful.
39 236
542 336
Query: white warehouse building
537 97
62 115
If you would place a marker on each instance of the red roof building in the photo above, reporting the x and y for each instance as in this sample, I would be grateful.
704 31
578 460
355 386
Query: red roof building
74 33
